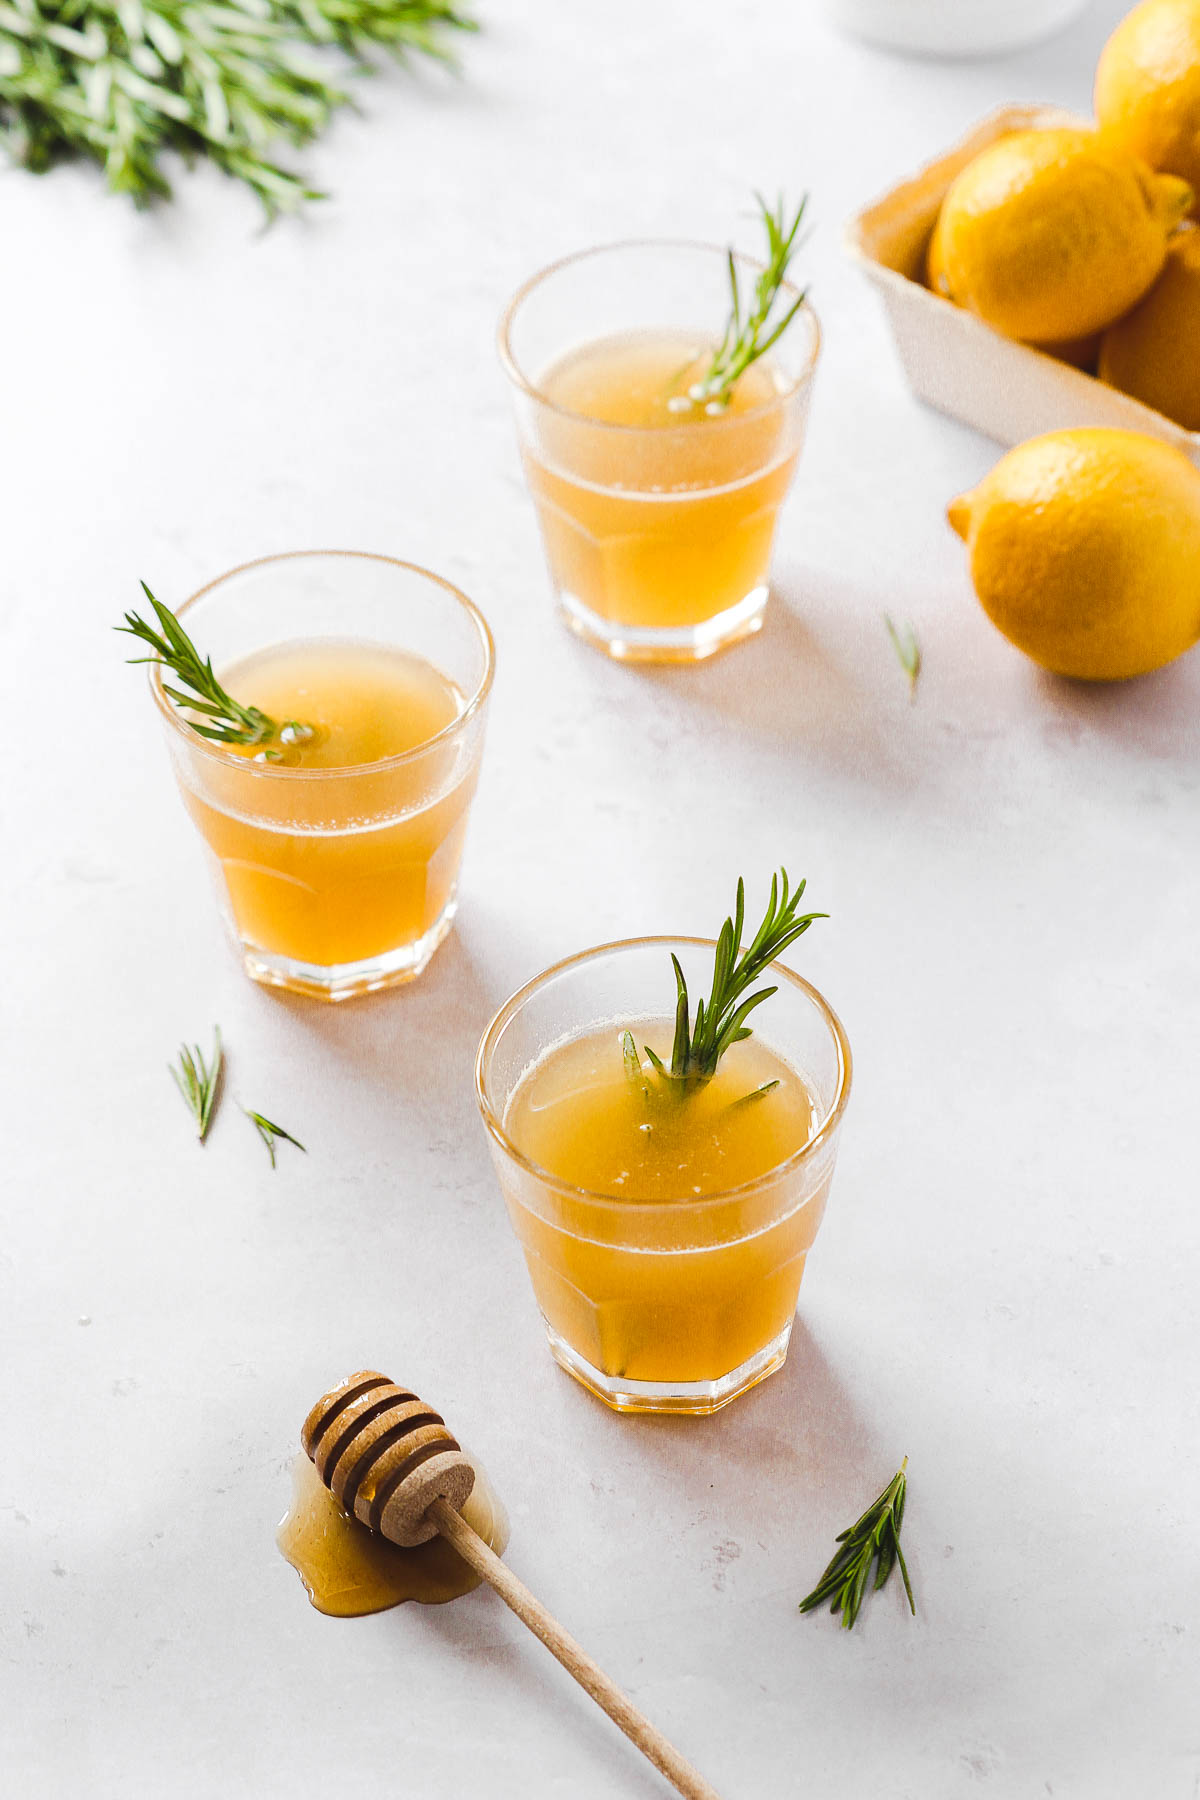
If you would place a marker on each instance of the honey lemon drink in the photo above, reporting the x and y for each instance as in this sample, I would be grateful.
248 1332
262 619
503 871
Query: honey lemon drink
653 1312
667 521
661 394
666 1177
324 713
324 891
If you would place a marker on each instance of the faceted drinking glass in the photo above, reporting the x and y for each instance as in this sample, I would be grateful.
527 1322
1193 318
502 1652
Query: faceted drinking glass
663 1306
658 537
336 881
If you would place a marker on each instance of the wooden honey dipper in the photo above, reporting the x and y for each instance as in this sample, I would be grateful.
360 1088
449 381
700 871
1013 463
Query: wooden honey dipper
391 1462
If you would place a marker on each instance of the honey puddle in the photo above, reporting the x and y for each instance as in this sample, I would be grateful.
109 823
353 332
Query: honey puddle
349 1571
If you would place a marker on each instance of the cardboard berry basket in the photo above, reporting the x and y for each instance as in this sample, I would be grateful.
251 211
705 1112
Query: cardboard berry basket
953 360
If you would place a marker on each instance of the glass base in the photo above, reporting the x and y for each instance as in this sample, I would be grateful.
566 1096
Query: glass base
663 644
345 981
670 1396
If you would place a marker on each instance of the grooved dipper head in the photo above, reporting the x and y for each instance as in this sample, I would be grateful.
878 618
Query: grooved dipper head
386 1456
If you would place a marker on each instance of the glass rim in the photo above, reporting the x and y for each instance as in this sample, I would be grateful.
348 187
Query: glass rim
281 772
529 387
595 1196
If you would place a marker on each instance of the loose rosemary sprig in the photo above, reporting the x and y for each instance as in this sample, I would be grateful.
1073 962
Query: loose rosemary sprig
721 1021
875 1538
270 1134
228 721
908 652
750 336
199 1081
125 82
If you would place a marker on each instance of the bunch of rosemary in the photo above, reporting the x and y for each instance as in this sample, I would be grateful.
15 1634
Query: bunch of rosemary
123 81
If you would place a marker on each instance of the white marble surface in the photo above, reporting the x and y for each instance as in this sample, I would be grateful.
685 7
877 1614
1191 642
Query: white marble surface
1005 1287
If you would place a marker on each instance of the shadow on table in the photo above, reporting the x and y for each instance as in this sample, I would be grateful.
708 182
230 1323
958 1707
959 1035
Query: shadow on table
792 681
1157 715
822 682
797 1434
418 1040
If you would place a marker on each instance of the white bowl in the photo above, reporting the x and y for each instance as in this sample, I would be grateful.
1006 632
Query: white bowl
954 27
952 359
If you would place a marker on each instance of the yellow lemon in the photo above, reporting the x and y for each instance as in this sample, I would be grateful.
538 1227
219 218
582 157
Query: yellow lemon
1148 86
1154 352
1053 234
1085 551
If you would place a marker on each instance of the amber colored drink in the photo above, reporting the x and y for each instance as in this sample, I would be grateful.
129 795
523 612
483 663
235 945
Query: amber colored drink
657 507
671 525
324 886
701 1290
336 851
665 1231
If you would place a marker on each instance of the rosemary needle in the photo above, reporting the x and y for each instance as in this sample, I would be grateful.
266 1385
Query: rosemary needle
908 652
758 1093
874 1538
199 1081
270 1134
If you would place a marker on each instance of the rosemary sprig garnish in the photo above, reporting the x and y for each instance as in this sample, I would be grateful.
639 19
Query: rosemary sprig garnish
875 1538
721 1021
908 652
227 720
270 1134
122 84
199 1081
749 336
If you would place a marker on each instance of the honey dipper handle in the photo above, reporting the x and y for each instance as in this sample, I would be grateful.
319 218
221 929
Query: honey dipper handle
573 1657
